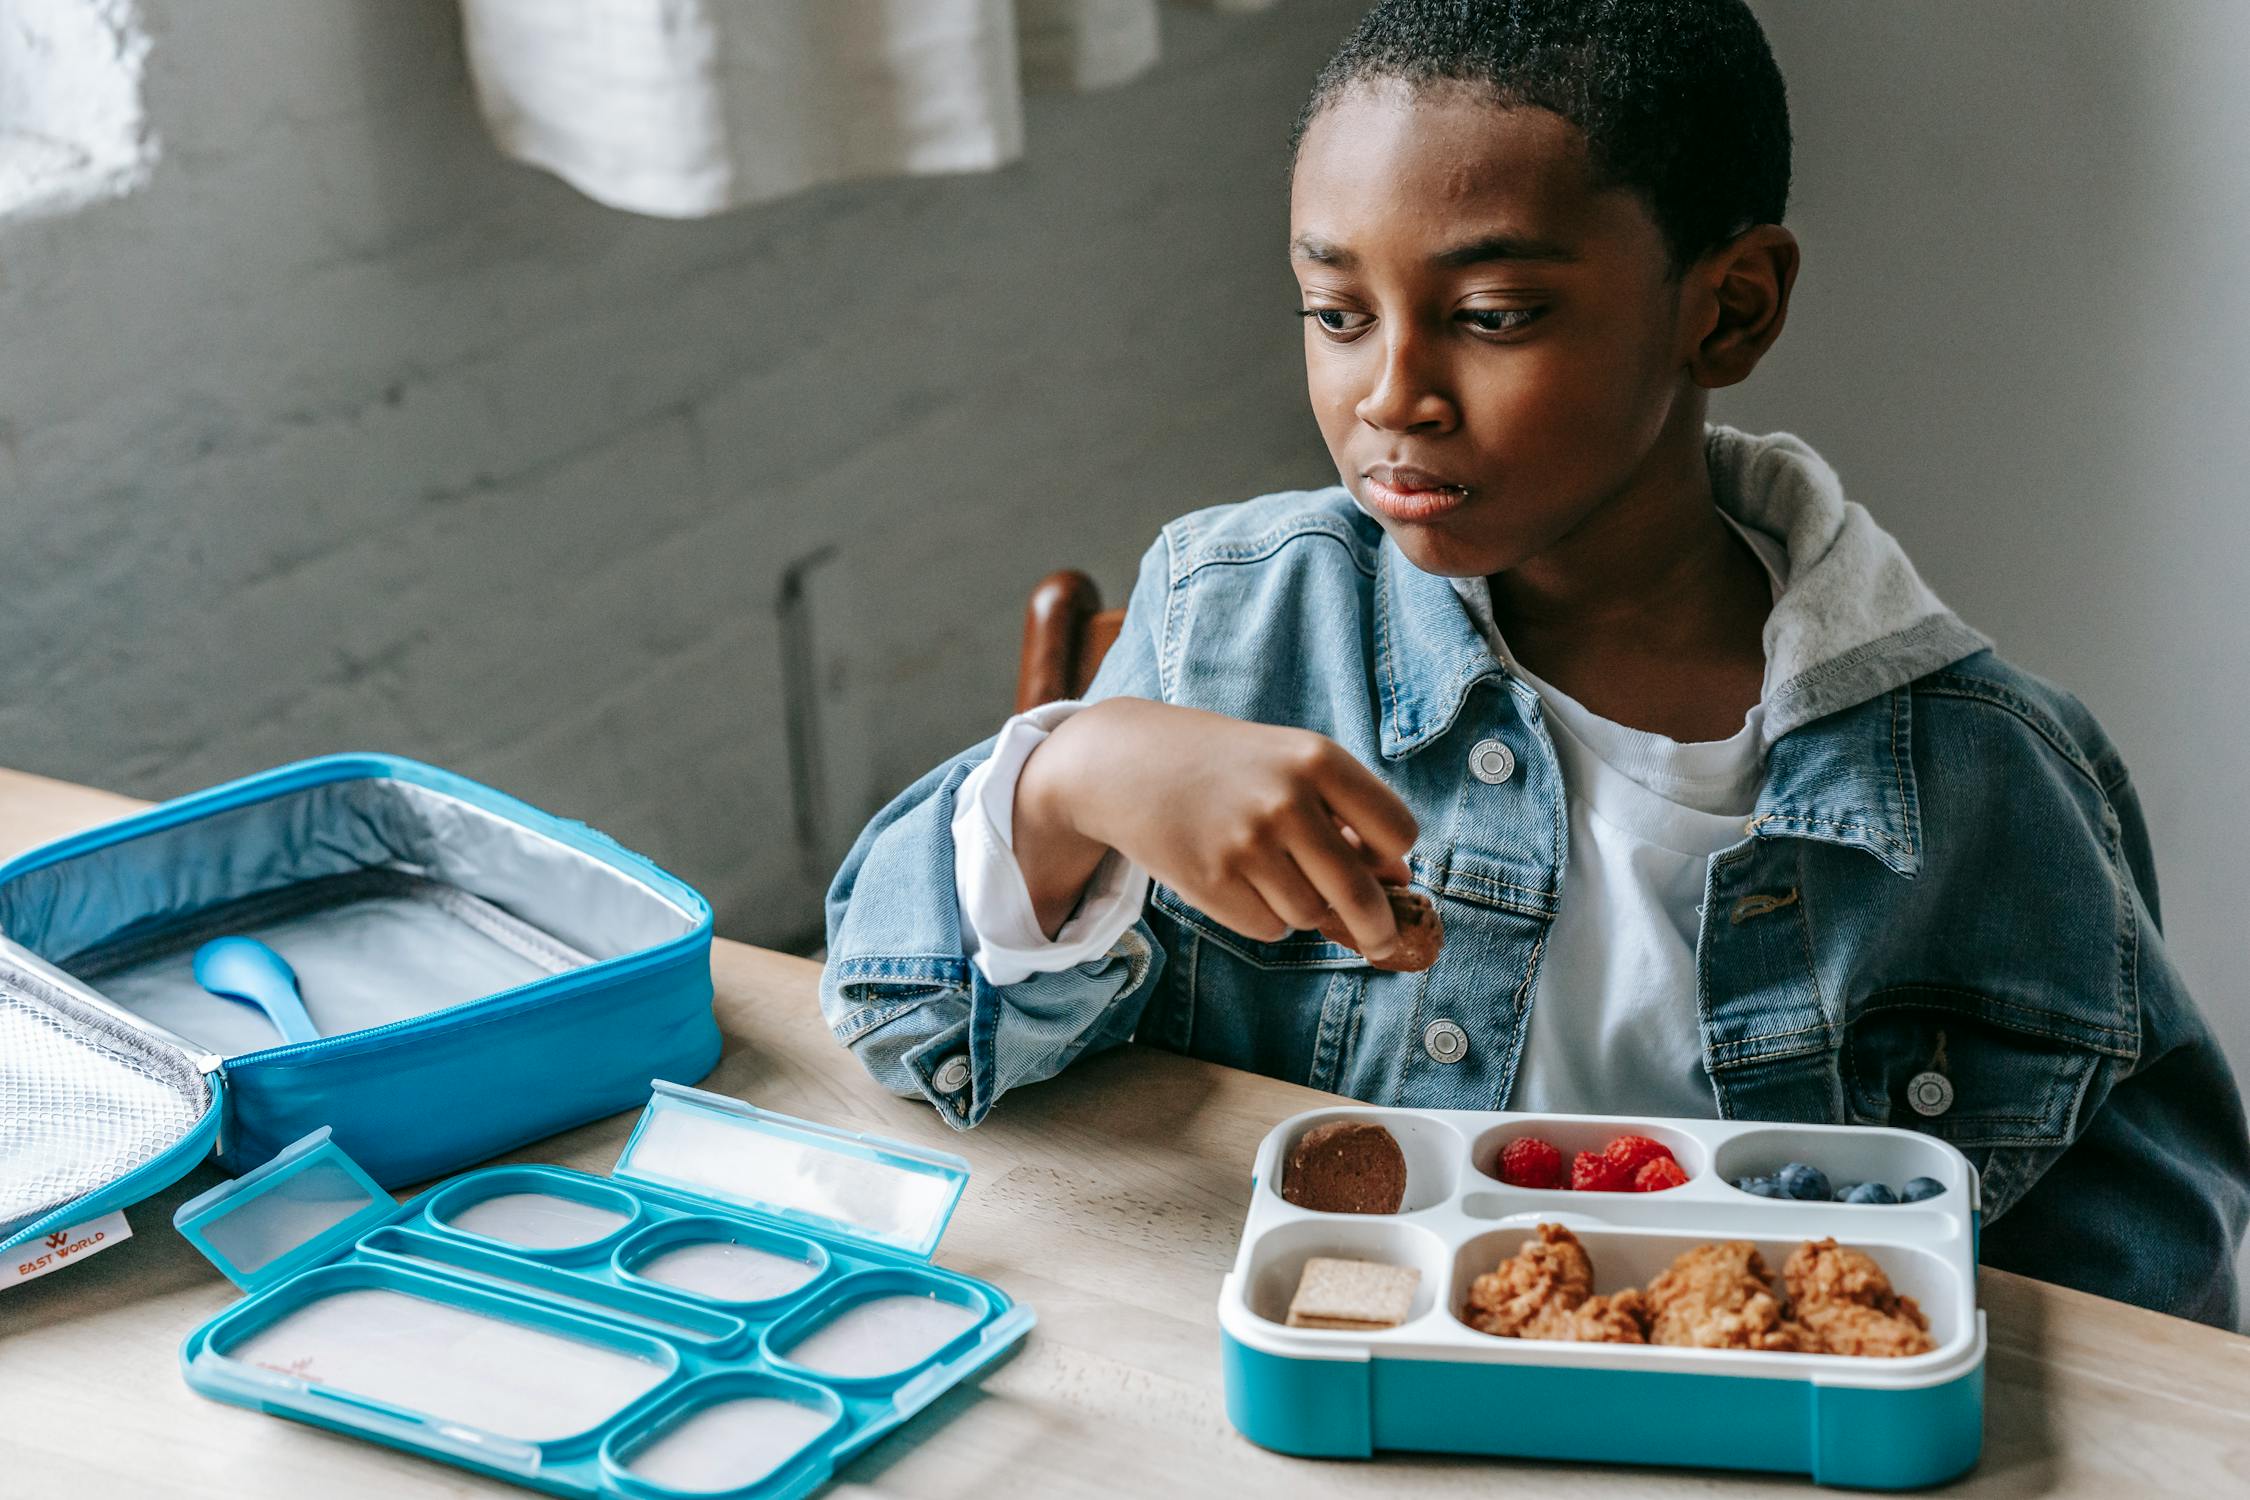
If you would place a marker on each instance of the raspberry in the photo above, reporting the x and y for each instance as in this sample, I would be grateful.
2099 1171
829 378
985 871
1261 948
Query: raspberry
1631 1152
1530 1162
1591 1173
1655 1176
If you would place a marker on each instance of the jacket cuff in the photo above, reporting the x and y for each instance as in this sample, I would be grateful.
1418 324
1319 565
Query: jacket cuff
1000 931
926 1025
956 1069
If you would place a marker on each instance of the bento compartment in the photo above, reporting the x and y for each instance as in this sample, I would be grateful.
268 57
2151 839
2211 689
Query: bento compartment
1278 1258
724 1432
722 1260
1632 1258
448 1354
1570 1136
1430 1148
551 1283
1894 1158
535 1209
876 1326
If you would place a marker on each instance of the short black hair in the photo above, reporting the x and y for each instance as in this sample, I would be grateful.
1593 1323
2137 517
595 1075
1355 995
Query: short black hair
1679 100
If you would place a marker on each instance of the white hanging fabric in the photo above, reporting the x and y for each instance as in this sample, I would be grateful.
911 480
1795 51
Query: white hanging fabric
685 108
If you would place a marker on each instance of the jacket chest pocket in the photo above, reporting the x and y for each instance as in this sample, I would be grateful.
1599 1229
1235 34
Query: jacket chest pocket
1299 950
1288 1009
1970 1068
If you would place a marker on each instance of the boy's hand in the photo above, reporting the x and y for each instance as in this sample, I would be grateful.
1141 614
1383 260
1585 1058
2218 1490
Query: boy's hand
1268 830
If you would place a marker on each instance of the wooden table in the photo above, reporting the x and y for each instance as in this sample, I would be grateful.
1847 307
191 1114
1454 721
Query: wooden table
1111 1200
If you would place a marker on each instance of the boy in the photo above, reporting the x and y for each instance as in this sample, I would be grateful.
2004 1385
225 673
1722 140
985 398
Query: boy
1724 813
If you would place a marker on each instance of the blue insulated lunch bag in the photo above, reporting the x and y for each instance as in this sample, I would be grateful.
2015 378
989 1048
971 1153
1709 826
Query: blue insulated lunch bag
479 973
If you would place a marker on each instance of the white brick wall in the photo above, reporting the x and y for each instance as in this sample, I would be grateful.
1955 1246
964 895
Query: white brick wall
344 432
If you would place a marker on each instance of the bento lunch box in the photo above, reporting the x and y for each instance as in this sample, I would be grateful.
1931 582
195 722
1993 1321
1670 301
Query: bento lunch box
1437 1384
480 974
745 1303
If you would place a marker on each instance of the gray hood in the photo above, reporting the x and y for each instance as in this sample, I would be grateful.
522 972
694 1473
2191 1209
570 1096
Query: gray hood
1854 619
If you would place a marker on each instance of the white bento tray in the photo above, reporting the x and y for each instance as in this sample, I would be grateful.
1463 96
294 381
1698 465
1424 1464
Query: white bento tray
1459 1220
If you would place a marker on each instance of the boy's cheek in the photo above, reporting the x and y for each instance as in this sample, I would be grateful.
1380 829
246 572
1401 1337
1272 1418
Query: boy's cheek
1544 433
1568 435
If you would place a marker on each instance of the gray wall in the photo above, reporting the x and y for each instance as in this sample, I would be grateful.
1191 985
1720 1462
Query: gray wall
2022 335
346 432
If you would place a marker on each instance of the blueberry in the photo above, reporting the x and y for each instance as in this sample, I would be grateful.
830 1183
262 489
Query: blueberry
1764 1187
1869 1192
1844 1191
1807 1184
1920 1188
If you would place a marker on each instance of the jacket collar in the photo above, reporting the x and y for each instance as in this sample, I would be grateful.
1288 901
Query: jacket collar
1846 778
1428 653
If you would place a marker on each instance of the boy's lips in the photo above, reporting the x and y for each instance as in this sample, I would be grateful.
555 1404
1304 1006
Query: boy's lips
1402 492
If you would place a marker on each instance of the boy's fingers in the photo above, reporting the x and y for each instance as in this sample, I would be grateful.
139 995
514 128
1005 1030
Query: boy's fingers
1388 871
1376 814
1241 908
1284 888
1341 874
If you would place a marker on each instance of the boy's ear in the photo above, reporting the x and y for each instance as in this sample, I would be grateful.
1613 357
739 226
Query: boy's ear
1739 298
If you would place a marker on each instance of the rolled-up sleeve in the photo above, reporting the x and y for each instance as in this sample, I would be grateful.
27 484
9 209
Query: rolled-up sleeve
999 926
902 987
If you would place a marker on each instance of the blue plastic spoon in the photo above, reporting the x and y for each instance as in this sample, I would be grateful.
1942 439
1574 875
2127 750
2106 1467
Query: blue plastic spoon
245 969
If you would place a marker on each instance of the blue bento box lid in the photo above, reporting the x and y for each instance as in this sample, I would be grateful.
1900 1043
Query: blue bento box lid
274 1221
315 1243
806 1175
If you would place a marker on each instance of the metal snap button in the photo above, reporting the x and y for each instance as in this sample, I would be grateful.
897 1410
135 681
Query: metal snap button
952 1075
1492 762
1445 1042
1931 1094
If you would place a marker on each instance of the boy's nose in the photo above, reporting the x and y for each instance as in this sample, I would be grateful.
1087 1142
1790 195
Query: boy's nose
1406 396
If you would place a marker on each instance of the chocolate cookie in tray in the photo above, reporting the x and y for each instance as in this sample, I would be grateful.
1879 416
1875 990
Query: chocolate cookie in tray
1524 1299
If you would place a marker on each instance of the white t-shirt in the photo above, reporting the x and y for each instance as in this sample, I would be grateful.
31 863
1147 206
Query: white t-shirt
1614 1021
1614 1026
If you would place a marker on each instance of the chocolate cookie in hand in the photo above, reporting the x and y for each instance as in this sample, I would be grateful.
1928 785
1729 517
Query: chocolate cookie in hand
1420 933
1346 1167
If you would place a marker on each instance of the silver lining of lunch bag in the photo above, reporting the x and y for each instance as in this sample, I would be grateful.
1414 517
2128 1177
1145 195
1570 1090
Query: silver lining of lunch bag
85 1098
389 899
368 948
166 877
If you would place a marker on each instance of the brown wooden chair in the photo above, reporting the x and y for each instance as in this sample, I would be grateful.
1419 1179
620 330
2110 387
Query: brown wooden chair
1066 633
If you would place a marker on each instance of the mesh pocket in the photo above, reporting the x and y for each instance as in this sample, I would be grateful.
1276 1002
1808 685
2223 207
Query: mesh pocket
84 1099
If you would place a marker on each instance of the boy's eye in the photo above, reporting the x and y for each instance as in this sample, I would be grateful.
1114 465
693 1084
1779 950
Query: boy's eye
1337 321
1498 319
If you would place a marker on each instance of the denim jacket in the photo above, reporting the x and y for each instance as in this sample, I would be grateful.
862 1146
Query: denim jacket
1947 871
